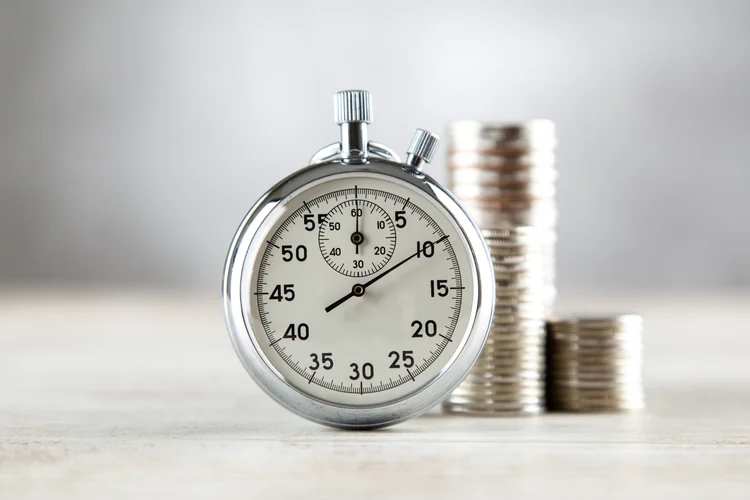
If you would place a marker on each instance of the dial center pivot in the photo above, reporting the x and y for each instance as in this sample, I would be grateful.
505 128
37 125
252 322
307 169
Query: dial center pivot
357 238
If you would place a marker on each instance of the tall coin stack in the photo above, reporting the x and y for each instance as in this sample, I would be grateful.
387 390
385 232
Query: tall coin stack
505 175
508 378
595 364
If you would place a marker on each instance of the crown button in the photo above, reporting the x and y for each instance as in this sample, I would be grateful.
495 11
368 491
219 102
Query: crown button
422 148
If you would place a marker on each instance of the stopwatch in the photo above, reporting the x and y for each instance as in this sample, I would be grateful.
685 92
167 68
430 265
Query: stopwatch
357 291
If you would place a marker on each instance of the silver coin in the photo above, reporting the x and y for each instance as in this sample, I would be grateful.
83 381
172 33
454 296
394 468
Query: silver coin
510 253
514 348
576 338
523 293
510 163
484 382
612 403
514 179
569 336
493 411
507 348
511 233
534 405
490 191
507 255
521 276
492 363
600 348
489 218
495 363
507 367
611 398
594 408
572 338
508 358
515 332
595 359
626 377
522 259
498 401
529 264
597 394
526 325
503 341
514 379
526 294
498 395
600 322
470 135
500 185
564 379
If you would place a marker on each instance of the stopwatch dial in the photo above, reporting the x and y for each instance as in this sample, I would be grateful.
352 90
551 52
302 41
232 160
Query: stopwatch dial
361 334
357 237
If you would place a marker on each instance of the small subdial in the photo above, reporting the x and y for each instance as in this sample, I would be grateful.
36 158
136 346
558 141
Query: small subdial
357 238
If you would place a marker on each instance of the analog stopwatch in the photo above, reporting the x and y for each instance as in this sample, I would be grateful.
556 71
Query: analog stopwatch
357 291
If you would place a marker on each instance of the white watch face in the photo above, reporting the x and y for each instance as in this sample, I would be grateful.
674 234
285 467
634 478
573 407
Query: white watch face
362 290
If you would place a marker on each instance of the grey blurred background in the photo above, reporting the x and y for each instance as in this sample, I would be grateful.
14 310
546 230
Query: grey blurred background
135 135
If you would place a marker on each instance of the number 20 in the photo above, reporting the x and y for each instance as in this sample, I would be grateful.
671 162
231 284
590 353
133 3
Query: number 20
430 328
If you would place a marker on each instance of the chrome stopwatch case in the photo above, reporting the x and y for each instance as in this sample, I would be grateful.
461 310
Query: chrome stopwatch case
357 291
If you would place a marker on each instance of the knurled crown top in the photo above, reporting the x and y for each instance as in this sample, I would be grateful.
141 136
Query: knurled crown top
423 145
352 106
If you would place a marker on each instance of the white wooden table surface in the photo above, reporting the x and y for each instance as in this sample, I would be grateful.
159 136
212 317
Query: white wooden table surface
139 394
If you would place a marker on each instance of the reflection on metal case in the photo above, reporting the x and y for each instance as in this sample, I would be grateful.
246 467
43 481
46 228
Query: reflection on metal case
357 291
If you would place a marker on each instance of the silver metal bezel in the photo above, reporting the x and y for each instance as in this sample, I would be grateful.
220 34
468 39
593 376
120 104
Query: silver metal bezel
307 406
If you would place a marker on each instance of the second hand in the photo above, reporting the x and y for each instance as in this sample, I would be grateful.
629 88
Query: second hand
356 213
359 290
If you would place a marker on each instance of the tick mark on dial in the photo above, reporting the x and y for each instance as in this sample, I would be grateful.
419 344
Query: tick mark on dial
358 292
371 266
373 237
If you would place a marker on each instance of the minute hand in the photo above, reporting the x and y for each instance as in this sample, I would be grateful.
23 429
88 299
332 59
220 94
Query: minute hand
376 278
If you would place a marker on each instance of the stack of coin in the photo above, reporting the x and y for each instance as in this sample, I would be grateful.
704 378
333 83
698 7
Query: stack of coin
508 378
505 175
595 364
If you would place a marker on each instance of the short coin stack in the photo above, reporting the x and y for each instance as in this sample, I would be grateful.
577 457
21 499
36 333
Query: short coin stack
505 175
508 378
595 364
